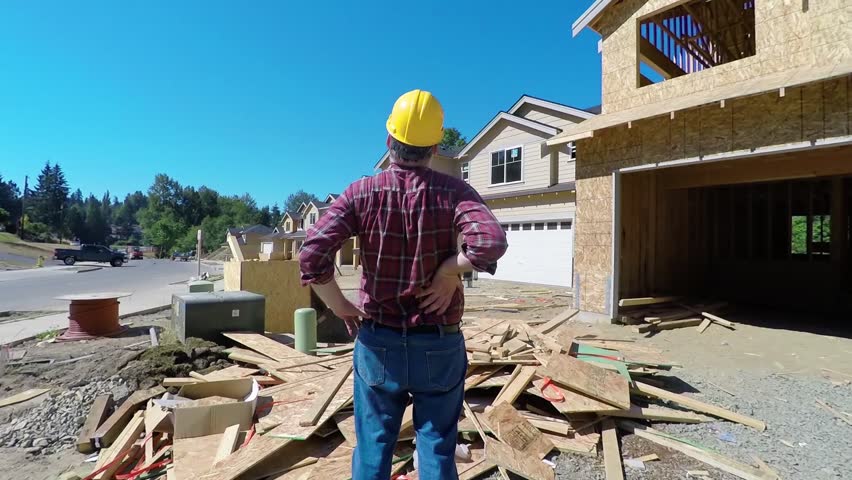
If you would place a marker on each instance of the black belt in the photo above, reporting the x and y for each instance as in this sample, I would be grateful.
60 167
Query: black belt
454 328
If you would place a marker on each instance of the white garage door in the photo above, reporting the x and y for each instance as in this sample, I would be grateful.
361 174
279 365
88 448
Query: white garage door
539 252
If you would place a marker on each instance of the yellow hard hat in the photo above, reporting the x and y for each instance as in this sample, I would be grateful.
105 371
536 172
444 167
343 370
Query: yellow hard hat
417 119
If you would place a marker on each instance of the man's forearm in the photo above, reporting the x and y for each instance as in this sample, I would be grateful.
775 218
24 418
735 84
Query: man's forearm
456 265
330 294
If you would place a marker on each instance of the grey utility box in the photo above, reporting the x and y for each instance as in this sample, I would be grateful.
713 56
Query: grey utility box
207 315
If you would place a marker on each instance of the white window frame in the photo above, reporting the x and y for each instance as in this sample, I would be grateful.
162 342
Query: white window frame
313 219
572 151
465 169
513 182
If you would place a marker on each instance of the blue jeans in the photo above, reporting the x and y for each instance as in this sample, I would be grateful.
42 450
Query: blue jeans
390 368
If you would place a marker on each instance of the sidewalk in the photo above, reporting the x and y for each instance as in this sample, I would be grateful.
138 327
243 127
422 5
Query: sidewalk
138 302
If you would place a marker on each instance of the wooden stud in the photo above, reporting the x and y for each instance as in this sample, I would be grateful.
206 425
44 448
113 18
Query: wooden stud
521 378
704 324
528 466
671 325
612 456
113 426
719 320
312 416
634 302
125 440
101 408
698 405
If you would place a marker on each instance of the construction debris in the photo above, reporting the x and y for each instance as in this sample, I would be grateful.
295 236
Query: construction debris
653 314
530 391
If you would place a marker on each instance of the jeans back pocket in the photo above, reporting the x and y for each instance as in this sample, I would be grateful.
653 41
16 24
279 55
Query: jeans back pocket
370 363
446 368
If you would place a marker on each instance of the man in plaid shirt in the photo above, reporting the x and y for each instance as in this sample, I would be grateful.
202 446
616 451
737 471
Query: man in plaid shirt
409 346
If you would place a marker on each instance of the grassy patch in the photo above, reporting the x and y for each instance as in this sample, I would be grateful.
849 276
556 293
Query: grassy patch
47 335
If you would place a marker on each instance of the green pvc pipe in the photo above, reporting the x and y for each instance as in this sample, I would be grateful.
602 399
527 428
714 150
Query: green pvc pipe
305 323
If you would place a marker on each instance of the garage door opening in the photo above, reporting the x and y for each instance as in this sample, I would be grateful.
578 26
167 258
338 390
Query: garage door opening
770 232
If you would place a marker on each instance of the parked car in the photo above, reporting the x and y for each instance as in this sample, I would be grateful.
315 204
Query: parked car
90 253
136 254
183 256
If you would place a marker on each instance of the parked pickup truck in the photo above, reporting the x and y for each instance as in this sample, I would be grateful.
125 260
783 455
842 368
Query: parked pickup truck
90 253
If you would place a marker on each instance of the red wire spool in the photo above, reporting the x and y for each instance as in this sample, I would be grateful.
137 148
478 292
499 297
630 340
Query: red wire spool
92 315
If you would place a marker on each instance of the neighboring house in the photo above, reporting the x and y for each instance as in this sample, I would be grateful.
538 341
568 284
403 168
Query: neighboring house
528 185
720 165
294 227
250 238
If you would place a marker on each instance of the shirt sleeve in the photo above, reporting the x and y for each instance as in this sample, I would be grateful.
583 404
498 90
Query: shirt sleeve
324 239
484 240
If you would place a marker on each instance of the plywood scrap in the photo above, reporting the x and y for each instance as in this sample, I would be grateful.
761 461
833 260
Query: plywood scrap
245 355
229 373
475 469
228 443
718 319
566 401
698 405
585 444
705 324
291 414
259 449
101 408
517 385
109 460
588 379
556 321
612 455
312 416
520 463
346 424
195 456
23 396
269 347
112 427
707 456
516 431
648 458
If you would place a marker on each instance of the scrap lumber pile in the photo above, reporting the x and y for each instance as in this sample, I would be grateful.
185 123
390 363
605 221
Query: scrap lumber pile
532 389
653 314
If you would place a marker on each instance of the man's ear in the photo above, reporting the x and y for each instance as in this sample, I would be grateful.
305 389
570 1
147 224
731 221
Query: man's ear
434 149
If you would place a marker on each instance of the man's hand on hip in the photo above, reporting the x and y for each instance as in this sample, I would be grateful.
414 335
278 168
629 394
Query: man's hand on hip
351 316
439 295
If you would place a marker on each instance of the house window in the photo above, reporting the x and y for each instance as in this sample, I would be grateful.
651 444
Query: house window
465 171
551 225
516 227
565 225
302 224
287 225
527 226
539 226
313 219
572 151
506 166
694 36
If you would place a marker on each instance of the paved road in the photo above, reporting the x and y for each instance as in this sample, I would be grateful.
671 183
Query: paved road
36 289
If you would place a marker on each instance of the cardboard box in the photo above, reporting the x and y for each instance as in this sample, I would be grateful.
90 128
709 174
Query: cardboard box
212 419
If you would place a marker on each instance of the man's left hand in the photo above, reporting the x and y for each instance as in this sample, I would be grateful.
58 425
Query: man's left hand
439 295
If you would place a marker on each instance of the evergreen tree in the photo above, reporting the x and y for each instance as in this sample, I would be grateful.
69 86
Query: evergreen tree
10 201
276 215
75 222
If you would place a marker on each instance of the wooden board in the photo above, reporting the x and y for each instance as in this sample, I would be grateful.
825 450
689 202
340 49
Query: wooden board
194 457
658 414
707 456
474 469
671 325
585 444
230 373
126 438
346 424
279 282
523 464
179 381
319 404
516 431
698 405
112 427
704 325
612 455
556 321
228 443
101 408
588 379
574 402
635 302
290 428
269 347
23 396
719 320
512 390
245 355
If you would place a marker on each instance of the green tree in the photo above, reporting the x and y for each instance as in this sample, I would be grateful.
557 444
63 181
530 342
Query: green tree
97 227
453 138
49 197
4 216
276 215
75 221
265 216
10 201
163 231
295 200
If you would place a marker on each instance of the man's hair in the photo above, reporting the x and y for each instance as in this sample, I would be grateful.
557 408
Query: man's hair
410 153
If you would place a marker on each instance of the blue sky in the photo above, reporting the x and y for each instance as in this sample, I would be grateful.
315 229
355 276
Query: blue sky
263 97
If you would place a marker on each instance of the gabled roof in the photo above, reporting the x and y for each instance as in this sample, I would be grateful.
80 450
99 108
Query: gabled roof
331 197
590 15
538 126
302 207
293 216
319 205
257 228
540 102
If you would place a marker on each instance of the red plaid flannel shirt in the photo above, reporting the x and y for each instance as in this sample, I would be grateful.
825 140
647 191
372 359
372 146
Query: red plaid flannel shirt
408 221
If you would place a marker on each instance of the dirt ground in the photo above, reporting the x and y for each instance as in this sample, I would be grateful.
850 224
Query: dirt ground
774 367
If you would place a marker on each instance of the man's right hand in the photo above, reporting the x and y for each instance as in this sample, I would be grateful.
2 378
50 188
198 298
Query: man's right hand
351 316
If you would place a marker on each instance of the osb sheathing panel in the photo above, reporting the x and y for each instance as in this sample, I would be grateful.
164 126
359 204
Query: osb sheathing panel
814 112
787 36
278 281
